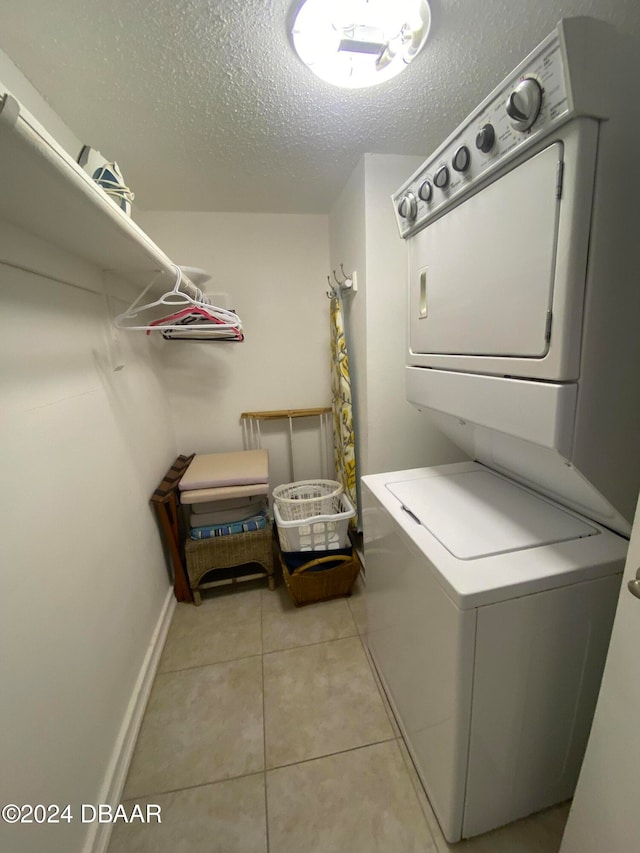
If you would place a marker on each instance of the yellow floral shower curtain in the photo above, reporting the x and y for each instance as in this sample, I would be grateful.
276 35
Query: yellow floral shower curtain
344 444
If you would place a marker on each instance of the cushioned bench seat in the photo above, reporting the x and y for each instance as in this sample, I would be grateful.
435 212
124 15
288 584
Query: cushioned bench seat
215 470
197 496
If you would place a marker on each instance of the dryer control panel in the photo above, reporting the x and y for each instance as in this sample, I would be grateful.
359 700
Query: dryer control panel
525 108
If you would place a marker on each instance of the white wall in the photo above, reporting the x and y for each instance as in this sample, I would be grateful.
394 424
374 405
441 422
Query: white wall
85 589
85 581
391 434
274 268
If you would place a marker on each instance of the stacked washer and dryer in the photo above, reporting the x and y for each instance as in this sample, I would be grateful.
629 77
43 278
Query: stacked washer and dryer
492 584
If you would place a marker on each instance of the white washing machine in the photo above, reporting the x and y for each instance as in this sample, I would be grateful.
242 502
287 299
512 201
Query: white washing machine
489 612
492 584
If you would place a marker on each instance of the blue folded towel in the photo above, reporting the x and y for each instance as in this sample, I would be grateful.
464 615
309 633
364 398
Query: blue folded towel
256 522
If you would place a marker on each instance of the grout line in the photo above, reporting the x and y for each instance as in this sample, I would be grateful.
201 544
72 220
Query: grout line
262 654
191 787
265 769
213 663
264 727
391 739
355 636
439 842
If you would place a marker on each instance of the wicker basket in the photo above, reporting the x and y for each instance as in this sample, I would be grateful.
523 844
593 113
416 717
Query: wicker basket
306 498
205 556
310 582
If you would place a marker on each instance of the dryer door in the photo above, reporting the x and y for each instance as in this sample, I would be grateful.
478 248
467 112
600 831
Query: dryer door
482 275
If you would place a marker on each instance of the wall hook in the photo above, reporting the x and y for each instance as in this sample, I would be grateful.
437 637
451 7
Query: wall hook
331 293
347 283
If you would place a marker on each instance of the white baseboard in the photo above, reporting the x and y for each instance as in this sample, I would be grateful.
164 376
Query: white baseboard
99 834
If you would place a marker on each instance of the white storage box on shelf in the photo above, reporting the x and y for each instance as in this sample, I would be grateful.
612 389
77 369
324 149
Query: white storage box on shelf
306 498
324 532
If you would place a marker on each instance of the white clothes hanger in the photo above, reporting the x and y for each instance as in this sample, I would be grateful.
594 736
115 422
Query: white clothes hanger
184 325
190 305
191 295
190 314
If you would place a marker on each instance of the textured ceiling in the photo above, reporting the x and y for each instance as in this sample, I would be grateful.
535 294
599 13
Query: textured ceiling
205 106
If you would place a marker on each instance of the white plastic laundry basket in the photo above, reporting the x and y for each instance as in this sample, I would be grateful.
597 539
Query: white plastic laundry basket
317 533
306 498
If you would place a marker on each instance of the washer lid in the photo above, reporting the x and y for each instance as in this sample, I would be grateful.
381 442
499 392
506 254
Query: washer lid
478 513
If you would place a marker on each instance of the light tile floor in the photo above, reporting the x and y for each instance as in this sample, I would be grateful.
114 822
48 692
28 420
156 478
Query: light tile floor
267 732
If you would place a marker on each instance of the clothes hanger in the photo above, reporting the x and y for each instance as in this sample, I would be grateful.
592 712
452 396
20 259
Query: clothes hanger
193 304
190 334
187 327
188 316
174 297
186 320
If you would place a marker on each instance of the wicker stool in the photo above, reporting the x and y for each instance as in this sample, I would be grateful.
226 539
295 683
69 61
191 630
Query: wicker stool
223 553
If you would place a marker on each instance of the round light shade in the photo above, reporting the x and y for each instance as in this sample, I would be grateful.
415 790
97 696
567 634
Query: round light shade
358 43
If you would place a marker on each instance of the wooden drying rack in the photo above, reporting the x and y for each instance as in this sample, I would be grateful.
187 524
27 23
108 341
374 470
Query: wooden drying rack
279 414
253 438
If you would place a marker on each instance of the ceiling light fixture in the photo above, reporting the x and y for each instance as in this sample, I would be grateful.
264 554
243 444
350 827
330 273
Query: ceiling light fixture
358 43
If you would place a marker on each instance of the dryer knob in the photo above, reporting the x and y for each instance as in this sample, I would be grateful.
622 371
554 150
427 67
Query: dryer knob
408 207
523 104
441 177
461 159
486 138
426 191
